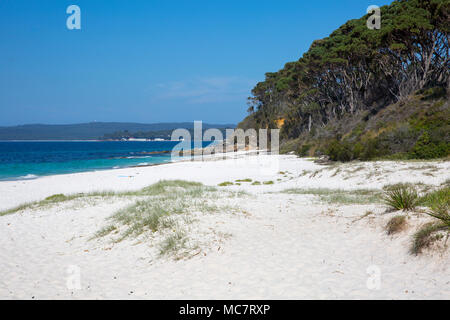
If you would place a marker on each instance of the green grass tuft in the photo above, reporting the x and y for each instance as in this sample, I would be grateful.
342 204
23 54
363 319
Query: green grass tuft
426 236
401 197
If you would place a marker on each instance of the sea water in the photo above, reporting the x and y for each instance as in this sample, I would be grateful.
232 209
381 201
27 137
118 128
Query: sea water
31 159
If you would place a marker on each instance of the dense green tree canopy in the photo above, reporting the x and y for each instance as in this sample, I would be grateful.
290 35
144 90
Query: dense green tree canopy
357 68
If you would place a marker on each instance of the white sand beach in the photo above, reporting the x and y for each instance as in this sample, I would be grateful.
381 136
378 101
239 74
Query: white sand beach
261 244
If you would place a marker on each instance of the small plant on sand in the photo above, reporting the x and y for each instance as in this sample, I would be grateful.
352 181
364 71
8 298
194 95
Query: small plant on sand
396 224
401 197
256 183
173 243
244 180
428 234
268 182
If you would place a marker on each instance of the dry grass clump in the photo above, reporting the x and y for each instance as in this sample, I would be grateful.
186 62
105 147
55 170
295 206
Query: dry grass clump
396 224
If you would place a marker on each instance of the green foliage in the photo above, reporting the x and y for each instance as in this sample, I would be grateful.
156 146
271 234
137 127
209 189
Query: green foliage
439 196
401 197
432 93
354 70
303 150
425 149
340 151
441 211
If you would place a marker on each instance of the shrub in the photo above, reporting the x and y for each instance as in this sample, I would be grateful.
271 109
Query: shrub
340 151
368 150
401 197
303 150
432 93
426 149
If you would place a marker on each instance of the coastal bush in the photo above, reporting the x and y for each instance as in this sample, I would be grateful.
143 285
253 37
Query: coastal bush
401 197
303 150
432 93
340 151
426 149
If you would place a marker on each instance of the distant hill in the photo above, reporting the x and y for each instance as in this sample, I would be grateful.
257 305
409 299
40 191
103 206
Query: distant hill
91 131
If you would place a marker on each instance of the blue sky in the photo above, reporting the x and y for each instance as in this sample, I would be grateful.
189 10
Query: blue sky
151 61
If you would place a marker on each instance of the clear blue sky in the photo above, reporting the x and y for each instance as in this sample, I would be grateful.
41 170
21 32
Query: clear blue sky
151 61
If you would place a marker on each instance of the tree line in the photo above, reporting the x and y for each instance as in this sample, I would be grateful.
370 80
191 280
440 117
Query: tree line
356 68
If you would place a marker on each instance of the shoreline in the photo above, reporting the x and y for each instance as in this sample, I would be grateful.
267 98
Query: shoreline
192 153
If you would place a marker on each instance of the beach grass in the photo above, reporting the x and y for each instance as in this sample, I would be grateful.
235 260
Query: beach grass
438 196
401 197
339 196
152 190
225 184
166 212
427 235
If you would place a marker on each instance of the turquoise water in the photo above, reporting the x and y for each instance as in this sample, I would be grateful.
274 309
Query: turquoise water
31 159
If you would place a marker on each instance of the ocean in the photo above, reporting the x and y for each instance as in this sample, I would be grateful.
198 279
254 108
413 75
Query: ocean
32 159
